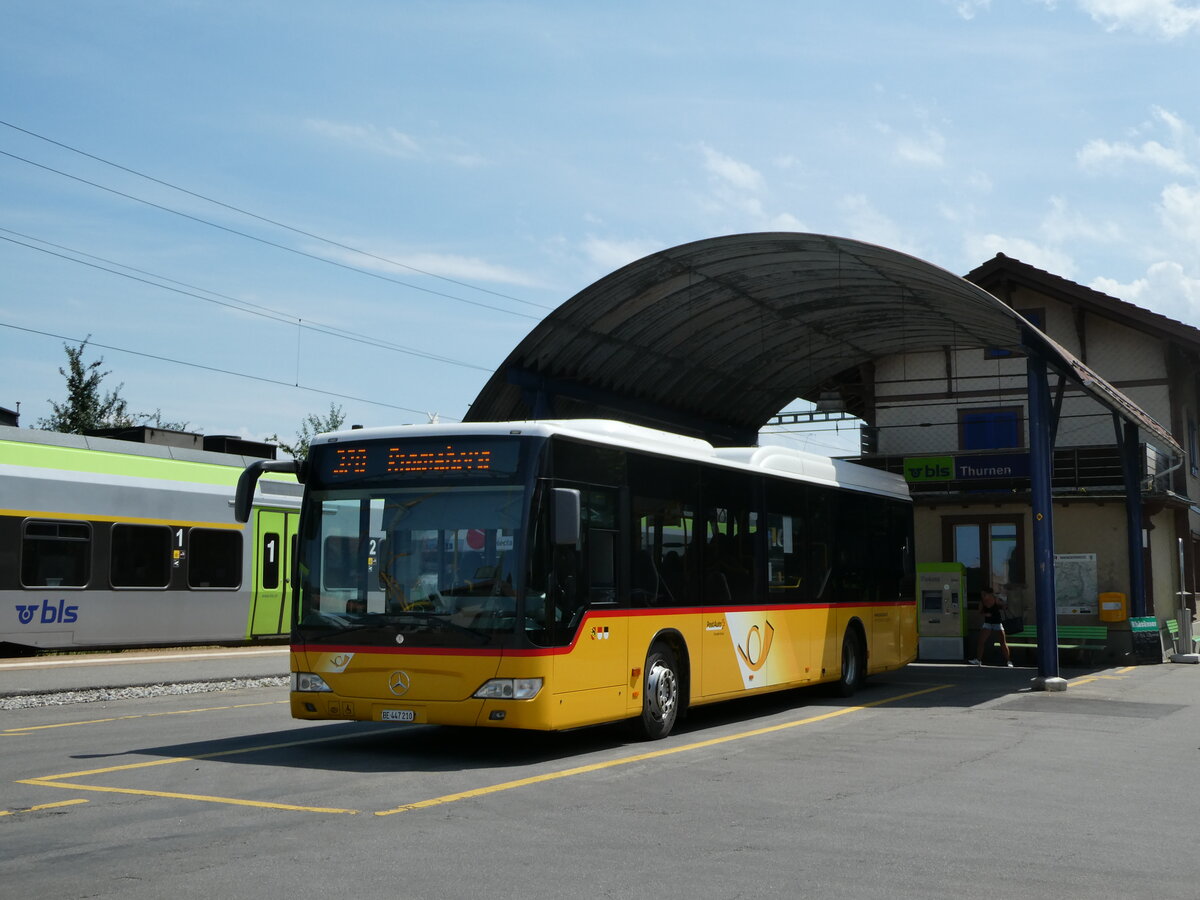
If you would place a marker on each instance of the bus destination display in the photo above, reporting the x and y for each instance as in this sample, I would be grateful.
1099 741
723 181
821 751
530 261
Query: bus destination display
406 459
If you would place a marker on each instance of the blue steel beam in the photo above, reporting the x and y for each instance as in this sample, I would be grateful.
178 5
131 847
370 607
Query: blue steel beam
1040 469
1131 468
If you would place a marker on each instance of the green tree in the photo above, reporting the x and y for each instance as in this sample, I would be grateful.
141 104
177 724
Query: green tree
85 408
309 429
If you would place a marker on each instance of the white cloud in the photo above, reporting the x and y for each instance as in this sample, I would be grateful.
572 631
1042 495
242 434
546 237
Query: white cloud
968 8
393 142
1163 18
444 265
610 255
926 150
1100 154
388 141
982 247
739 188
866 223
926 147
1180 213
1167 289
1062 224
1175 156
735 174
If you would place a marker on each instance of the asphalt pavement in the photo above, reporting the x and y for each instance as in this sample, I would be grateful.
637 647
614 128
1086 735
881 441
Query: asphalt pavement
940 781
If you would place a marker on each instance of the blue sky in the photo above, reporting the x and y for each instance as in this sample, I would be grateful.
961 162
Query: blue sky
430 179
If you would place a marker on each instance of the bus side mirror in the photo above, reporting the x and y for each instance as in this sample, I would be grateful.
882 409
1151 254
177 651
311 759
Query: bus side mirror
248 480
566 516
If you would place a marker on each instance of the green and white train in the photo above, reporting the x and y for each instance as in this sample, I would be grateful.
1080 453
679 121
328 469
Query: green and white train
108 543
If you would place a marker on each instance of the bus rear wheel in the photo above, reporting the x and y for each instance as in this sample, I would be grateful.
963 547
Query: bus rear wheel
660 693
854 664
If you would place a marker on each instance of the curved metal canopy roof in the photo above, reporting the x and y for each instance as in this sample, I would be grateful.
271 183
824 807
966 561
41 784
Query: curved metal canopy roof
715 337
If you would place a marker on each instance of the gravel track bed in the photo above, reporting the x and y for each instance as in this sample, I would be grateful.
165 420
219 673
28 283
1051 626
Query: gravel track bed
138 692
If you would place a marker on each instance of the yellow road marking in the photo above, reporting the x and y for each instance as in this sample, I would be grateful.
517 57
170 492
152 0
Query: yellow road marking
233 801
28 729
1088 679
640 757
61 780
216 754
13 812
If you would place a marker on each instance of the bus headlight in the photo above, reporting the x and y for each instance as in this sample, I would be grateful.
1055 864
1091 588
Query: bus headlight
510 689
307 682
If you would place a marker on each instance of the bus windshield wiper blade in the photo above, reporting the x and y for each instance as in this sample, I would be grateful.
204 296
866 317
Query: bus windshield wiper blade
392 621
327 628
441 618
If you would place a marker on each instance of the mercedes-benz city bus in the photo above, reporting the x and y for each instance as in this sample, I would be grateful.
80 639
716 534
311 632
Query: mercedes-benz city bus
556 574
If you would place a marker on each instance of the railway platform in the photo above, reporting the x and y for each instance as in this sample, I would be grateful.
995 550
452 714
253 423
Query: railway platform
135 668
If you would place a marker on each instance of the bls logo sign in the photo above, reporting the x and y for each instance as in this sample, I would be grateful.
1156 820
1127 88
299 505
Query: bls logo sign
51 614
928 468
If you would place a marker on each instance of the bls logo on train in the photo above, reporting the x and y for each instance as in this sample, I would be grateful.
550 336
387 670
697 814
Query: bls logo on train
50 613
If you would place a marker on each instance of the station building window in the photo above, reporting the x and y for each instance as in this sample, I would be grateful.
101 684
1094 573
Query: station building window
998 428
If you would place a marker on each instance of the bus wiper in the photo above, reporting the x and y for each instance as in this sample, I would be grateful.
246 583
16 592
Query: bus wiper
441 618
391 621
332 625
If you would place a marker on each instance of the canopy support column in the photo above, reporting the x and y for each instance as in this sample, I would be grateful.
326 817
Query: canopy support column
1131 469
1041 429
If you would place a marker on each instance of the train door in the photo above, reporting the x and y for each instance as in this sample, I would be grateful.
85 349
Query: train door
275 542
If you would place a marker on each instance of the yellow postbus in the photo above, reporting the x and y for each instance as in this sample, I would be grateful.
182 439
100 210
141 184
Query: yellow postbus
556 574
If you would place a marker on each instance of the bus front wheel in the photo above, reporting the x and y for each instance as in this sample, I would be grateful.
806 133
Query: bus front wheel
854 664
660 693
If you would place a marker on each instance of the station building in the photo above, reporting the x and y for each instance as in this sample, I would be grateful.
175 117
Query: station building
954 423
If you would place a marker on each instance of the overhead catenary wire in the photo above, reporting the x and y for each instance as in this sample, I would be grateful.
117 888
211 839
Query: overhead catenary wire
267 220
219 299
216 369
270 243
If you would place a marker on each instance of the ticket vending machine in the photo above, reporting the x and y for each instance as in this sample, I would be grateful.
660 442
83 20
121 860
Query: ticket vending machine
942 612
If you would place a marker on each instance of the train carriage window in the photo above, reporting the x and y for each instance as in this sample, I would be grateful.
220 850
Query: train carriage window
214 558
56 554
141 556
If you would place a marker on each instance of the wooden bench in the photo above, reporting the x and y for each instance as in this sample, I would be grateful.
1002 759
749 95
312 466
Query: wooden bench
1079 638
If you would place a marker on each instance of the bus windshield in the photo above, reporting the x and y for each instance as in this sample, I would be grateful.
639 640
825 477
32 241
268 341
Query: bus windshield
431 566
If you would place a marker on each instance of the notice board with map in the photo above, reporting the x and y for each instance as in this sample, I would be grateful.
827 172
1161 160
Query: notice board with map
1075 584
